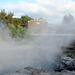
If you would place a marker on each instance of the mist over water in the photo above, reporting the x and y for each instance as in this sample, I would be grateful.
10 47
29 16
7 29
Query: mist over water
40 52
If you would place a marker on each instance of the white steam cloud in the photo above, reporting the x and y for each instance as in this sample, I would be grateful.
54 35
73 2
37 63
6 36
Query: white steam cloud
39 53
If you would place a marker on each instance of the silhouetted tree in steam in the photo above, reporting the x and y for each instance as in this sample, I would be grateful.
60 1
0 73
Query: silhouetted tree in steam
68 19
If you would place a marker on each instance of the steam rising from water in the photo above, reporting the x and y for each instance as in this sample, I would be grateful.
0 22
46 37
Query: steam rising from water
39 53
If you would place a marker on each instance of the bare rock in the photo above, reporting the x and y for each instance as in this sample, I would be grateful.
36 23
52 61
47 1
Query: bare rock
31 71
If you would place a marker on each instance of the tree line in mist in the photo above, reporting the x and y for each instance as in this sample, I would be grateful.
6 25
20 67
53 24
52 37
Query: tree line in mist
68 19
8 18
14 24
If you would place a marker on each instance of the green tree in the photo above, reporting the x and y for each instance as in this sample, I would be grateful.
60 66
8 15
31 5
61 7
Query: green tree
16 21
25 19
21 32
2 15
18 32
13 31
8 18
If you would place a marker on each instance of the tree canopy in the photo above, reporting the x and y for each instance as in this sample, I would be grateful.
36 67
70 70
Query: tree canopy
8 18
13 24
68 19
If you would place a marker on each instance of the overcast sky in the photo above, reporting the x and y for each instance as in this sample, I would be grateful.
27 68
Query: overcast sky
51 10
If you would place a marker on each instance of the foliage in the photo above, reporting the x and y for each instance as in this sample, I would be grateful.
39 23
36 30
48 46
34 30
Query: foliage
2 15
16 21
18 32
8 18
25 19
13 24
